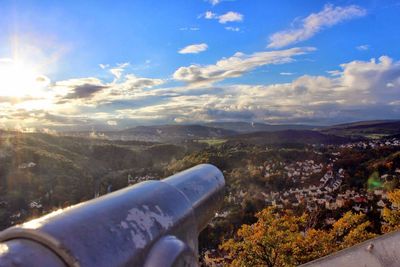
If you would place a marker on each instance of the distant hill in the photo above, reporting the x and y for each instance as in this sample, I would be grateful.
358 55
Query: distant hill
371 129
174 132
397 136
160 133
82 154
215 130
247 127
290 137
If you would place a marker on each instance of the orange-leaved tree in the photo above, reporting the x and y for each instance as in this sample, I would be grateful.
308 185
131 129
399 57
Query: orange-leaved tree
391 215
268 242
283 239
351 229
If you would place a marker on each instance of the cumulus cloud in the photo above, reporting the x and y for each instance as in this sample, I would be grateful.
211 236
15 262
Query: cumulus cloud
363 47
93 91
194 49
84 91
83 88
314 23
235 66
29 110
359 90
372 78
230 16
132 84
359 83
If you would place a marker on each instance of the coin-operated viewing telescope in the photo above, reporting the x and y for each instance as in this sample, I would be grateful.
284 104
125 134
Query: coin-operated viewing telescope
153 223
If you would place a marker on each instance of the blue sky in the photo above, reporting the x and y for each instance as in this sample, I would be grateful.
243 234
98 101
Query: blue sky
115 64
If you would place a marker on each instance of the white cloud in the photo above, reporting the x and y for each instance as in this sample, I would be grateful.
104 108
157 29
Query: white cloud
189 29
78 88
119 69
233 29
133 82
363 47
358 90
286 73
214 2
210 15
230 16
235 66
373 76
314 23
193 49
93 91
104 66
334 72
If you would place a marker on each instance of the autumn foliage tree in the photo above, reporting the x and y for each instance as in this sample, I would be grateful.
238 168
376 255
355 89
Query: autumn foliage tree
391 215
284 239
268 242
350 230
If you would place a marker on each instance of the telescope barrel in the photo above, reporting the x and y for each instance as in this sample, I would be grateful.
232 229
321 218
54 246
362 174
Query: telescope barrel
154 223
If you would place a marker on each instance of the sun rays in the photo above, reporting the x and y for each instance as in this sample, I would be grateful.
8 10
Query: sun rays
19 79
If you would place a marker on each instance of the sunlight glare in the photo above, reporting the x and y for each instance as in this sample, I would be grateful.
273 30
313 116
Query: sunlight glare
19 79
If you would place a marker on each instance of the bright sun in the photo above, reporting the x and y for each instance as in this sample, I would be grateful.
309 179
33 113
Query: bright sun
19 79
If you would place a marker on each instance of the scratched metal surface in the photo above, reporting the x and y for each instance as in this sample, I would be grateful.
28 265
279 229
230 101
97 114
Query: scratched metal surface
122 228
377 252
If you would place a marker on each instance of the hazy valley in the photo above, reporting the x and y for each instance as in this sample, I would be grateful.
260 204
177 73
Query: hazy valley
322 171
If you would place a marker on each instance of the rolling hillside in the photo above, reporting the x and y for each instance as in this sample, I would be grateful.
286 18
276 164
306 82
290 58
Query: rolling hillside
161 133
59 170
289 137
247 127
370 129
177 132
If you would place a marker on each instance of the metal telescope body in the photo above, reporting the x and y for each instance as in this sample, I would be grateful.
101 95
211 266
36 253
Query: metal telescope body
153 223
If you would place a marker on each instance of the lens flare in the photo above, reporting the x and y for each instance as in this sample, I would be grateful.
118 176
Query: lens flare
18 79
